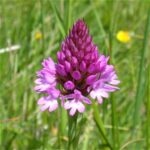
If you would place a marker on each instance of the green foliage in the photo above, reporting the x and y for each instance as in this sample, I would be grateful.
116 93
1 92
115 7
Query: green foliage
125 114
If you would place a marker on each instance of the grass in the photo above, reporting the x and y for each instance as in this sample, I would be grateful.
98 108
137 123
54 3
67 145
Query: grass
125 114
140 87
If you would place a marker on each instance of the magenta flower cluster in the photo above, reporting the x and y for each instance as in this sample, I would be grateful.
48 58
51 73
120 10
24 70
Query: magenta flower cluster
79 73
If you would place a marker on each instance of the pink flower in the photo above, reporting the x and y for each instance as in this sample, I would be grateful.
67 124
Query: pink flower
75 102
80 71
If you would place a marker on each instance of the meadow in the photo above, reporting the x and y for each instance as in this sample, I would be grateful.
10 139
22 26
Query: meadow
37 28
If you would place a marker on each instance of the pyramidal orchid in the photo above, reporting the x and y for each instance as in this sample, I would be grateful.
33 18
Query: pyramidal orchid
80 72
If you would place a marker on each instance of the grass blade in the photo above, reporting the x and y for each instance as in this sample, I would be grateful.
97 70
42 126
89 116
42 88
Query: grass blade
114 115
59 19
42 22
140 92
69 15
148 110
130 142
102 31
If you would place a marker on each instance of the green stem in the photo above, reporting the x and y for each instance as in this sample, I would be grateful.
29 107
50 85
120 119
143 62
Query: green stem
100 126
114 124
62 126
72 134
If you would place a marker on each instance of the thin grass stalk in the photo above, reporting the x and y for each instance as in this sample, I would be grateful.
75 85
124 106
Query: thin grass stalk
100 25
69 14
114 115
42 22
114 120
58 18
148 110
140 85
3 23
115 136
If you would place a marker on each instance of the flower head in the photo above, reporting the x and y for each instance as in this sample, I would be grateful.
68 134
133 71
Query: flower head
123 36
80 71
38 35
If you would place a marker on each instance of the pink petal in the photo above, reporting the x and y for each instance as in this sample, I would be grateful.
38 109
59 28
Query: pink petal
100 100
104 94
86 100
91 79
72 111
93 94
38 81
44 107
67 105
80 107
41 101
110 88
53 106
115 82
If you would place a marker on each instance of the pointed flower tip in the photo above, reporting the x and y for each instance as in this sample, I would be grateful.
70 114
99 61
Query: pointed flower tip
80 22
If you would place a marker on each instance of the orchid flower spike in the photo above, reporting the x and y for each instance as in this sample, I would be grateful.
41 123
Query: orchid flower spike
80 71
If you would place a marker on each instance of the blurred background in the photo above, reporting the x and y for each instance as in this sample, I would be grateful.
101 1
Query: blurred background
32 30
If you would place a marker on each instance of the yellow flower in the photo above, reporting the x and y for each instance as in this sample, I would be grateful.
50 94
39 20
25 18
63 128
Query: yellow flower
123 36
38 35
